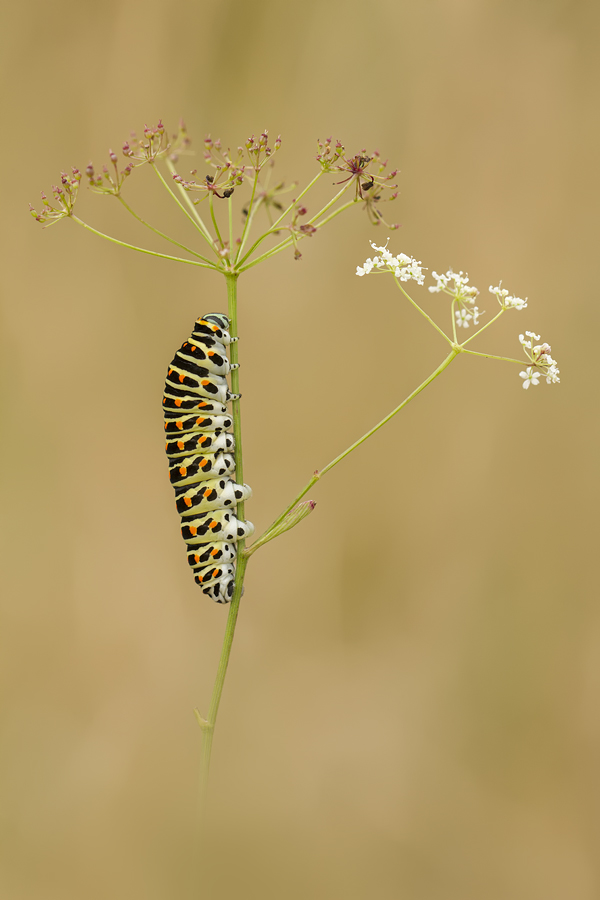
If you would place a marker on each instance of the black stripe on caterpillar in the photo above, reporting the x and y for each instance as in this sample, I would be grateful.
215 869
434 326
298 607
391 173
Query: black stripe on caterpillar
200 451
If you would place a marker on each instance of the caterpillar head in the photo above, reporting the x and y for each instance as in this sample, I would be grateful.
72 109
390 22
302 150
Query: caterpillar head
219 319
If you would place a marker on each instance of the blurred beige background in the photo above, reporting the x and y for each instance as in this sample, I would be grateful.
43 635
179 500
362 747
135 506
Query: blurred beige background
412 709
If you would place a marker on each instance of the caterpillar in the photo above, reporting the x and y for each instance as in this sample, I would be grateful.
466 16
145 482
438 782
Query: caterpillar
200 453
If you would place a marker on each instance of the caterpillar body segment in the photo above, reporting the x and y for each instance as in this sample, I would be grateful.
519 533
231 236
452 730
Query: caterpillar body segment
199 447
218 494
192 469
199 443
207 554
196 422
218 524
201 384
178 401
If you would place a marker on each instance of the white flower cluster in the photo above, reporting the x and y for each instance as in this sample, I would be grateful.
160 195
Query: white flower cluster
456 285
506 301
460 290
540 356
404 267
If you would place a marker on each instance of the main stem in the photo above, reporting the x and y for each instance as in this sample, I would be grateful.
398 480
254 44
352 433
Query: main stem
208 724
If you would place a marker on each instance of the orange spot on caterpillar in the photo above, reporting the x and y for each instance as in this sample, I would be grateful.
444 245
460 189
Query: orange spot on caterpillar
178 401
204 382
180 445
214 551
179 425
215 573
187 501
207 492
170 371
200 421
213 524
193 530
182 470
196 557
211 352
181 377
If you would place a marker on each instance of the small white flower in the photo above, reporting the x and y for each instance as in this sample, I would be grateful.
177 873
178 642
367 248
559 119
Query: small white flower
531 334
525 344
530 377
552 375
463 318
366 268
442 283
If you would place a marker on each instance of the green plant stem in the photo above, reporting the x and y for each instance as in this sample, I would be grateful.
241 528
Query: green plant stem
290 240
208 725
249 217
319 474
296 201
198 220
214 219
190 262
521 362
425 315
483 327
162 235
273 229
195 220
287 241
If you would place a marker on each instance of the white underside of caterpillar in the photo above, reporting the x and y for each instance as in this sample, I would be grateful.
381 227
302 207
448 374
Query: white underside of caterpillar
200 451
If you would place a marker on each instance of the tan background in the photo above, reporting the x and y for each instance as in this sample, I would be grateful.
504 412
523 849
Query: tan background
412 709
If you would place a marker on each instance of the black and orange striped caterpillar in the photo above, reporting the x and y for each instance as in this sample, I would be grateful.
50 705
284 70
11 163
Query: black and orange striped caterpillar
201 462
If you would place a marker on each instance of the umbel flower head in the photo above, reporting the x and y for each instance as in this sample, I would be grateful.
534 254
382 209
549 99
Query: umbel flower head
367 173
65 195
456 285
402 266
156 144
540 356
463 295
230 169
362 178
505 300
111 180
